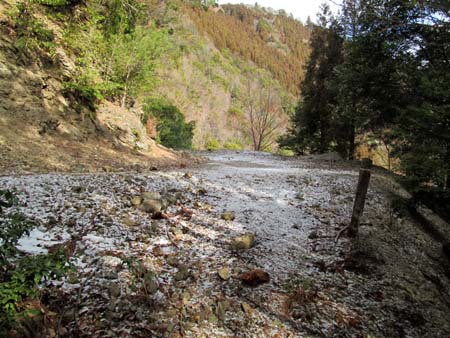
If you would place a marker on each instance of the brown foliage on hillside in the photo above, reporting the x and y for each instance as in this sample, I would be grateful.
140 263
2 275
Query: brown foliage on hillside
275 42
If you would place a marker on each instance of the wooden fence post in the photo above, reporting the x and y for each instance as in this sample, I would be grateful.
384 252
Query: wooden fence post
360 198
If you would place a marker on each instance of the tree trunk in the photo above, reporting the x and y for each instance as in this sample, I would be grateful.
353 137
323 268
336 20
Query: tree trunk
124 98
351 142
125 92
322 137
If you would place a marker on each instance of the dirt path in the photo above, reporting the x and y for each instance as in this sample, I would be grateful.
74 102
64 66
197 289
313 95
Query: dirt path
135 276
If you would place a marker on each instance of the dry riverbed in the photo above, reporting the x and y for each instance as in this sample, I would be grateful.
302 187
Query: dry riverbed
179 273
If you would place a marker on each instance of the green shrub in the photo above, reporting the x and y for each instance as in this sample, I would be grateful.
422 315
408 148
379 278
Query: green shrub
52 3
173 130
285 152
83 93
213 144
31 33
20 275
235 111
233 145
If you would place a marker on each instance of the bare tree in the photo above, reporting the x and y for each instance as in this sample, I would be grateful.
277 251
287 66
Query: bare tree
264 114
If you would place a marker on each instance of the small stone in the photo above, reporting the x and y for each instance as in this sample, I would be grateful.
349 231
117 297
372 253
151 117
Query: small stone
151 206
243 242
221 309
182 273
228 216
248 310
151 195
114 290
254 277
188 175
136 201
224 273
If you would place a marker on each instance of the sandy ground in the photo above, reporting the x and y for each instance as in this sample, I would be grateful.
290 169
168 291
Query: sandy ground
135 276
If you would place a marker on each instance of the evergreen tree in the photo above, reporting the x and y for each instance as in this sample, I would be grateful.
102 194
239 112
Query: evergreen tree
423 127
312 130
391 81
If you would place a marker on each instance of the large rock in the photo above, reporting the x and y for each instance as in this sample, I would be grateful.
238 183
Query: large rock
149 201
243 242
228 216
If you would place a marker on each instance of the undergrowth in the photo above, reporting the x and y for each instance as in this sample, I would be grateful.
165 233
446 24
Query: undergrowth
21 275
31 35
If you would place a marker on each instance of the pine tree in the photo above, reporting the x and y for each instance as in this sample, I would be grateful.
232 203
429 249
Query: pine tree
312 130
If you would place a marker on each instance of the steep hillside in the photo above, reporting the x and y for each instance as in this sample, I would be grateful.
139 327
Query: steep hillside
77 80
45 125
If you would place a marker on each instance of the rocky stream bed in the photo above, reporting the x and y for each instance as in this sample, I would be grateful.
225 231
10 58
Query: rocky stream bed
155 254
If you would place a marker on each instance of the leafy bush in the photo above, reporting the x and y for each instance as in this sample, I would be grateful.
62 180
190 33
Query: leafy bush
31 33
236 111
285 152
213 144
84 93
173 131
117 51
233 145
52 3
19 274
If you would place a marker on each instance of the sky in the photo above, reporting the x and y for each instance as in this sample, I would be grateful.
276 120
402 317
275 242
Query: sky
301 9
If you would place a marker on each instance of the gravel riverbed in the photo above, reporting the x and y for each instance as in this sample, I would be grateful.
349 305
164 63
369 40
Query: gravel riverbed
137 275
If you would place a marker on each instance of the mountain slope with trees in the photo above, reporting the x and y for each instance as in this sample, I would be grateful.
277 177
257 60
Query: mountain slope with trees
272 40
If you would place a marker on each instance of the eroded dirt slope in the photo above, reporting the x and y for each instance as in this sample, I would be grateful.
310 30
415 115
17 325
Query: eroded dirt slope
42 129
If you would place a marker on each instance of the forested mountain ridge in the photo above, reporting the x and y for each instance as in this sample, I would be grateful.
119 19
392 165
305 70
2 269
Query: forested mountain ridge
272 40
